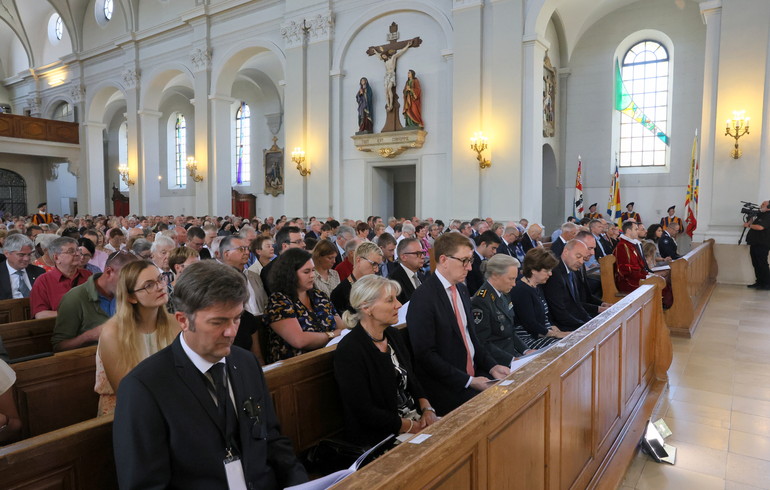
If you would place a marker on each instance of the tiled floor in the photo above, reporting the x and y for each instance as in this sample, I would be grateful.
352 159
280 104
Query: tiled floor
718 405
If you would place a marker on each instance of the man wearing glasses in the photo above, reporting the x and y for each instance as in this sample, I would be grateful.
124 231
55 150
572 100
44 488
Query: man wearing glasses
450 362
367 260
17 275
85 308
288 237
407 273
49 289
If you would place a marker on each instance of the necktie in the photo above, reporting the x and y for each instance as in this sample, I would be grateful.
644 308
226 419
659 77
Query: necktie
23 289
571 284
225 407
456 302
416 280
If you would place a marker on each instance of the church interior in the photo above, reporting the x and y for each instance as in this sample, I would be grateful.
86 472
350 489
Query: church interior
183 107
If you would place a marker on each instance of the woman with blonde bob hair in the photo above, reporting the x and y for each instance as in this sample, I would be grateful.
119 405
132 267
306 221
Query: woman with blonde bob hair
141 327
380 392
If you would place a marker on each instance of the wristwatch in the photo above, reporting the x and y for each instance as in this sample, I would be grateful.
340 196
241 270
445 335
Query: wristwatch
428 409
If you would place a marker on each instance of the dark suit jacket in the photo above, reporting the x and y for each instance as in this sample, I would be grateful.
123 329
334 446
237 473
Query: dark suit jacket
603 247
407 287
33 272
557 247
565 308
667 246
205 254
439 350
589 301
167 432
475 277
506 249
527 243
368 387
494 323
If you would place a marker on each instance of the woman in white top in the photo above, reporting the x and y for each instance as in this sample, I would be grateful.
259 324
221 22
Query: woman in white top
141 327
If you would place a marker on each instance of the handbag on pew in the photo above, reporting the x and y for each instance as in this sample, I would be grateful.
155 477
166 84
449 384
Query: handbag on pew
332 455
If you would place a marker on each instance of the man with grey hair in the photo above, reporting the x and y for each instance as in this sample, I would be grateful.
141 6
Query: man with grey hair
568 232
17 275
142 249
344 233
49 289
208 421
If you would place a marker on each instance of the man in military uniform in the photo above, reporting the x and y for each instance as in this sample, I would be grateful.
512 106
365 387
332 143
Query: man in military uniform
758 239
630 214
592 212
667 220
492 310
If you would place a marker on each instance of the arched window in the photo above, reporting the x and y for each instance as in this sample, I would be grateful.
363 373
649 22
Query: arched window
13 193
63 112
108 6
123 152
643 86
242 160
58 28
180 151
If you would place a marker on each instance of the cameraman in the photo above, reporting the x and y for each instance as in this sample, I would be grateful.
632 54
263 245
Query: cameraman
758 239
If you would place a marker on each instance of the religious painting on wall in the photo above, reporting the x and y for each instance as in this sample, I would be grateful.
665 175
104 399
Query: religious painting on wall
549 98
273 160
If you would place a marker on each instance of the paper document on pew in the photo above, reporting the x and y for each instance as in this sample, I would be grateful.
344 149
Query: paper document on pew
518 362
337 339
661 268
324 482
402 314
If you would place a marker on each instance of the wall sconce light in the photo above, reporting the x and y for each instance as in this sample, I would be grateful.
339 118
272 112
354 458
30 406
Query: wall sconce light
123 171
192 169
479 144
737 127
298 157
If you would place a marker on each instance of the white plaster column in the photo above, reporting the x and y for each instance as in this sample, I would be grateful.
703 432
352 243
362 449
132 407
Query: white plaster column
764 151
150 158
712 17
137 194
532 130
218 178
466 107
91 192
338 135
295 119
200 57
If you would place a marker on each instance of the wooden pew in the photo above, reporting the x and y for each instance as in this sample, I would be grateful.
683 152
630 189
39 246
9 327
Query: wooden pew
27 337
693 279
14 310
57 391
610 293
80 456
572 417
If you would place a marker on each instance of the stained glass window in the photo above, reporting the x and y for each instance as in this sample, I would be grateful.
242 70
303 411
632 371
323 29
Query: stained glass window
180 151
242 161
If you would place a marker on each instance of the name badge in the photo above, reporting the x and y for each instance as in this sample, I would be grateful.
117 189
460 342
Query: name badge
234 473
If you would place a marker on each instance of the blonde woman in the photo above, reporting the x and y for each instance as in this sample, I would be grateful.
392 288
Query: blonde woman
141 327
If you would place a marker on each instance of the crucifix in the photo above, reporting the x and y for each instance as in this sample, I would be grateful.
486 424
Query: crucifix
389 53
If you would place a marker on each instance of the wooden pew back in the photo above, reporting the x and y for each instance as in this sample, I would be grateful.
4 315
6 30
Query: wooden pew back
57 391
27 337
610 293
14 310
572 417
693 279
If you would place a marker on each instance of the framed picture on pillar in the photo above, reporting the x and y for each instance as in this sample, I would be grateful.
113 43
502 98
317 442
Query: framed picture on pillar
273 159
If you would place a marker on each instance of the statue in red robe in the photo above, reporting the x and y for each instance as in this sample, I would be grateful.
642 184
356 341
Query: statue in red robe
412 102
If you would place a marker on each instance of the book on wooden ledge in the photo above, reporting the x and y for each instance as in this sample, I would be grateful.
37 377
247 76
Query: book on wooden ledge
370 455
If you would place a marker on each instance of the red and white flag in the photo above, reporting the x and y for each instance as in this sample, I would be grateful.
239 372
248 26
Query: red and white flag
577 208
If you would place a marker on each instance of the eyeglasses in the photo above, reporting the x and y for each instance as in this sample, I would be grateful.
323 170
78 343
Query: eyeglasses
70 252
464 262
160 283
419 253
239 249
297 242
22 255
375 265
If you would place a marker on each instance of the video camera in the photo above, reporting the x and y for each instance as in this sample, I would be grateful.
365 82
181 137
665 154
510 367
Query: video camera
749 210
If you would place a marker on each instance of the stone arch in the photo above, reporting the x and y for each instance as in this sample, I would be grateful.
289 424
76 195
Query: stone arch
103 94
53 104
157 81
225 71
385 8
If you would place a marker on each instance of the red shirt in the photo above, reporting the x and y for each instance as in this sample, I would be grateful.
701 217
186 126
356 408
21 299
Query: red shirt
49 288
344 269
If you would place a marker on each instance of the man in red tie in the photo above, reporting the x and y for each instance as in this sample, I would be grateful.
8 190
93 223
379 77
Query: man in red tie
450 362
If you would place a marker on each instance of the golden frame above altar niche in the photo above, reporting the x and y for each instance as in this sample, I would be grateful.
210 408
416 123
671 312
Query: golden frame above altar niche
273 163
549 98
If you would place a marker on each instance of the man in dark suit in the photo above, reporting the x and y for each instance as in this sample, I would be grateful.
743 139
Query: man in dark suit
17 275
450 361
486 247
603 246
568 232
531 238
667 244
407 273
561 290
507 241
198 415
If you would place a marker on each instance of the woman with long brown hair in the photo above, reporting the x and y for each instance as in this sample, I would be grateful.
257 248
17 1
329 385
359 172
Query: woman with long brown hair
141 327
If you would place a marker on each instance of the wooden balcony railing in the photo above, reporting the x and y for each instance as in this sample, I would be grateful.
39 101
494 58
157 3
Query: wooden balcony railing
35 128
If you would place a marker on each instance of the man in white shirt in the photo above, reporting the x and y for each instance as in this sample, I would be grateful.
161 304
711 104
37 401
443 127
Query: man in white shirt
17 275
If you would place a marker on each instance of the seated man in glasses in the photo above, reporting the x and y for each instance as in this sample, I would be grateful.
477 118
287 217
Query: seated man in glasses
366 260
408 272
49 288
84 308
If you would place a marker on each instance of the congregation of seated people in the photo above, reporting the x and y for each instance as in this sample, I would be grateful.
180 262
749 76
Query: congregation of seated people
476 295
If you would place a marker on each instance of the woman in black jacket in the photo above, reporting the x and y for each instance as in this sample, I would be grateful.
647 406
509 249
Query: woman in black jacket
380 392
533 321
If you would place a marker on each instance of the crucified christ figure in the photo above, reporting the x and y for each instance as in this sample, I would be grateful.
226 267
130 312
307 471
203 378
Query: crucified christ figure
390 74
